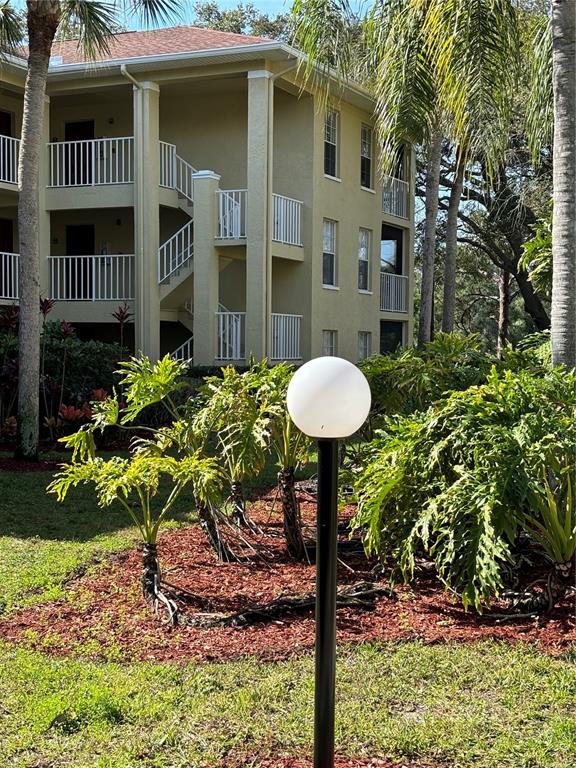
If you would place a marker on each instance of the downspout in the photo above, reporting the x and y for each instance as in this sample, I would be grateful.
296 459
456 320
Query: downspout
270 204
138 220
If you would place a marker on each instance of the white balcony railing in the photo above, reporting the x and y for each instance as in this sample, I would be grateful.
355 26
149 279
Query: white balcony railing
92 278
287 220
286 337
393 292
9 149
232 214
92 162
176 252
395 197
231 332
8 275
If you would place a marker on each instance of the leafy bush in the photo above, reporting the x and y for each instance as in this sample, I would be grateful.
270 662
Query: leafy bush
72 371
459 480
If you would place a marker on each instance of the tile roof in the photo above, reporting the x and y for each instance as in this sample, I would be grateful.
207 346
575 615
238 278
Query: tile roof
183 39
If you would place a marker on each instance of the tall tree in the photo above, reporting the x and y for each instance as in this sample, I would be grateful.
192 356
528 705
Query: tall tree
244 19
91 23
563 331
452 63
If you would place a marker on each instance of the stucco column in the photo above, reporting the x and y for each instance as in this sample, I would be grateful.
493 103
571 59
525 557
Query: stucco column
258 243
44 215
146 218
206 271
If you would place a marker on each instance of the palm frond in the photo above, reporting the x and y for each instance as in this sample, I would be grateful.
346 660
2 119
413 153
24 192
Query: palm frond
91 24
474 47
153 12
540 112
11 28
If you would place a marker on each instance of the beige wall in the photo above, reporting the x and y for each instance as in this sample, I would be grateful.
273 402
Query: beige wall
208 126
13 103
111 111
346 309
114 227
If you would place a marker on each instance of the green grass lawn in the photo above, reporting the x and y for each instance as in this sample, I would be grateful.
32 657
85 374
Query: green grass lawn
483 705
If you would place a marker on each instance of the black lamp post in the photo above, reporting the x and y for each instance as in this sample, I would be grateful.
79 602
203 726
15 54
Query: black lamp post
328 398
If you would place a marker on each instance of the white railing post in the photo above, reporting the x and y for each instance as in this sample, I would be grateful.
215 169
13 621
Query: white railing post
232 214
92 278
91 163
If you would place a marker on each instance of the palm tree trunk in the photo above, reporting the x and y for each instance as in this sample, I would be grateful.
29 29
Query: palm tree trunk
563 330
503 310
429 247
43 17
291 515
449 298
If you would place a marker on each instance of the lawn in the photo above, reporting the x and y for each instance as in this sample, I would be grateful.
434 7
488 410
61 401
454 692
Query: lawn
481 705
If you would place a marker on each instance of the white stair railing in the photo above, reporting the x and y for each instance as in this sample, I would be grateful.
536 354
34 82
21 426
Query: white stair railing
167 164
393 292
9 150
8 275
286 336
92 278
232 214
176 252
185 351
395 197
91 162
184 178
231 331
175 172
287 220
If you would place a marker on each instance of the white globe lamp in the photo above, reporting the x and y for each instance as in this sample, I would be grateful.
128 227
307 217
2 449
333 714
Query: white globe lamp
327 398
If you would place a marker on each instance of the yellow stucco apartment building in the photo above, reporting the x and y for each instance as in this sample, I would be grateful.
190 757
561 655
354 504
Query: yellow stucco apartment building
192 175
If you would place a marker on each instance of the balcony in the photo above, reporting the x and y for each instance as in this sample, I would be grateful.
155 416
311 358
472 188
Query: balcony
286 217
286 337
395 197
91 162
9 150
393 292
287 214
92 278
9 276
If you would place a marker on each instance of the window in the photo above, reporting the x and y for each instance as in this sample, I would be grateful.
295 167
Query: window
329 343
366 157
364 260
364 344
329 253
331 144
391 336
391 250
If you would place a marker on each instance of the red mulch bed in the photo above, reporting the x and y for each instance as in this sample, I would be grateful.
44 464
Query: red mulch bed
104 609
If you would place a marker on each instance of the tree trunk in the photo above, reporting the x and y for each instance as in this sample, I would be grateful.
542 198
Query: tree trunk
291 515
449 298
532 302
150 574
563 330
429 246
209 525
43 18
503 310
238 505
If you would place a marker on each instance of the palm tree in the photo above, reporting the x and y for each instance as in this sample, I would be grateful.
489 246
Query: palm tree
436 68
563 330
93 23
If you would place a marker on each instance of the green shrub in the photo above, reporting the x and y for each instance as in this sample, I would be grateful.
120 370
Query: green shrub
459 480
